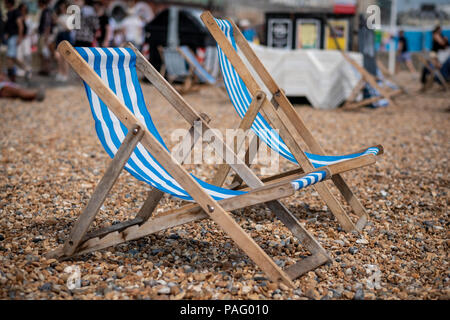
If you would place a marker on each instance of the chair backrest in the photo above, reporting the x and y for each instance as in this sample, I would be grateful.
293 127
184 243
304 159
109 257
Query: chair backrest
241 99
201 72
176 66
117 68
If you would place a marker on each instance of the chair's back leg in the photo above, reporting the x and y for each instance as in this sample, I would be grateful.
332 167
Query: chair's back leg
101 191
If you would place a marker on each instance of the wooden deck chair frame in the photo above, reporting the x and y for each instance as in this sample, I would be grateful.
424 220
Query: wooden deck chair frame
280 113
384 70
219 83
434 72
80 241
366 78
189 81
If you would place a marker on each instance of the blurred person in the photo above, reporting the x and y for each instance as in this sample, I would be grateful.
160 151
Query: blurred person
14 31
13 90
44 31
440 45
63 33
403 55
118 37
85 36
24 48
105 31
117 32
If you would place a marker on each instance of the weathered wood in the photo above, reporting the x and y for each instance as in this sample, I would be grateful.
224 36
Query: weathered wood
155 195
334 169
81 226
153 198
193 212
190 115
248 158
208 204
264 194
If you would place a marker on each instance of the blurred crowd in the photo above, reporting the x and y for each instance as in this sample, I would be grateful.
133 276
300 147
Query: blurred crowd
83 23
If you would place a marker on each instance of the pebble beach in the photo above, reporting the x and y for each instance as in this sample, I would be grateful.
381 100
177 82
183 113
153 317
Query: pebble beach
51 161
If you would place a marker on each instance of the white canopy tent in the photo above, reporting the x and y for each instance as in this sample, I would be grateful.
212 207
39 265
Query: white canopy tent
322 76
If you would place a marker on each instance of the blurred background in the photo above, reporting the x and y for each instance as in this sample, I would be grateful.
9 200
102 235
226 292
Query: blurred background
152 25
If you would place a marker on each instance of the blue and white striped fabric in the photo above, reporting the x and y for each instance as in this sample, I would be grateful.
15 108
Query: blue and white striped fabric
309 179
198 68
176 67
241 99
117 68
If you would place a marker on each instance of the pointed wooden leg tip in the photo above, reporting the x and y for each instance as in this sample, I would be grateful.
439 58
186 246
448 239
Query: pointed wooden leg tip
362 221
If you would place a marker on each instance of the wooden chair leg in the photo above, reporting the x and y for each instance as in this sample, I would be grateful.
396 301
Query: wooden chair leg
101 191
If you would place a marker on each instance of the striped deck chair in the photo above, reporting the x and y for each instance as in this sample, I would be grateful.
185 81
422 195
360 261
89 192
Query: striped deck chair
243 89
127 133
